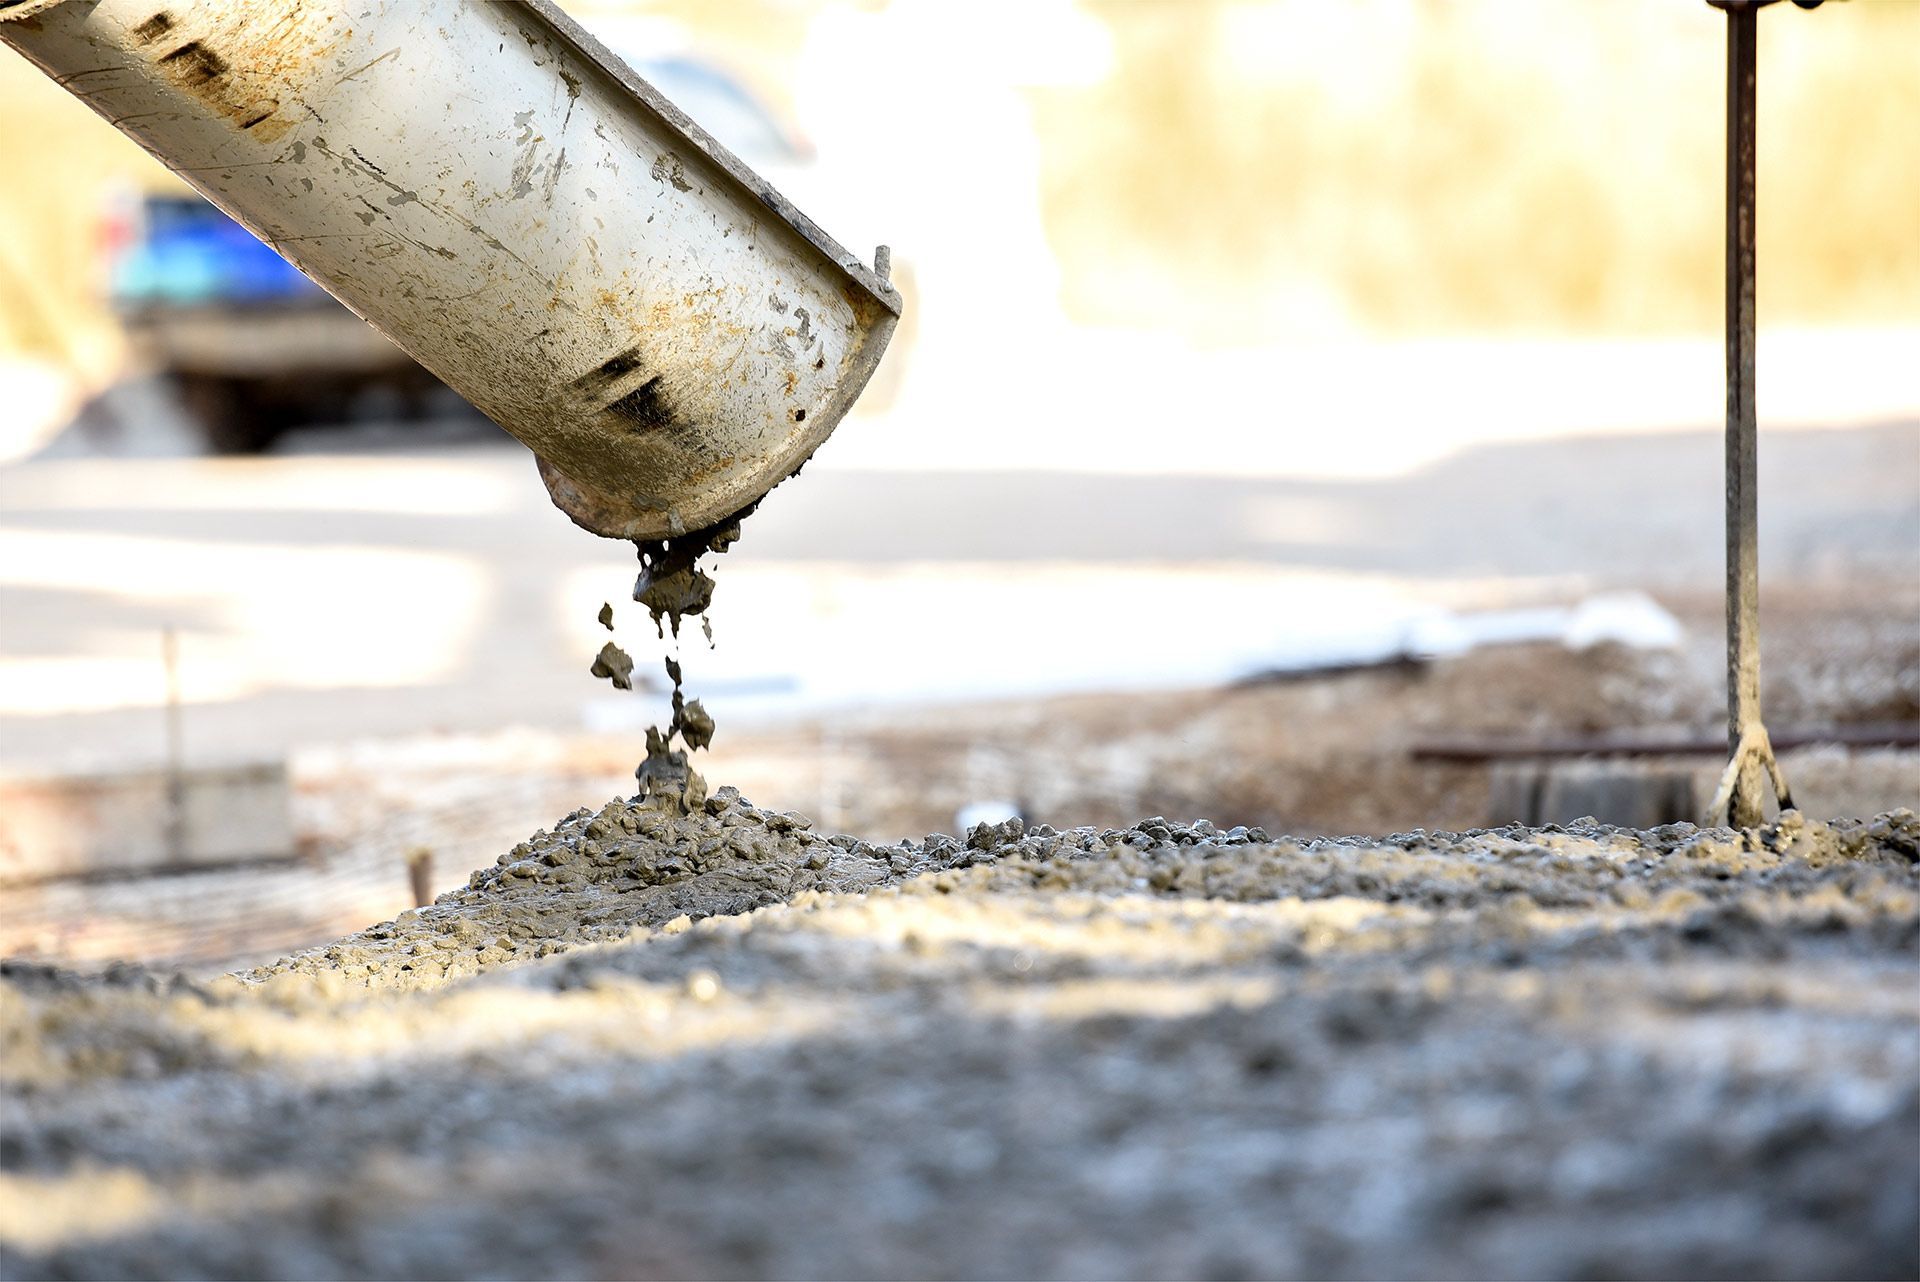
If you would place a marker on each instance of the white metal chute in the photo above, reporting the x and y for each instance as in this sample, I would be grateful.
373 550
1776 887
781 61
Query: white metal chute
506 200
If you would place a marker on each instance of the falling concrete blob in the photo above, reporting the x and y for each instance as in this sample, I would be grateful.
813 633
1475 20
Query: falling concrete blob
615 664
696 725
667 783
671 583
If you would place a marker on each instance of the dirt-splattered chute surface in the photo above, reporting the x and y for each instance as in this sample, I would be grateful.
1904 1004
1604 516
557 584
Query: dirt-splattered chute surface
686 342
1166 1050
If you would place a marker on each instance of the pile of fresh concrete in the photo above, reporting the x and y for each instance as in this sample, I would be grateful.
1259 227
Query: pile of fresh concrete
726 1045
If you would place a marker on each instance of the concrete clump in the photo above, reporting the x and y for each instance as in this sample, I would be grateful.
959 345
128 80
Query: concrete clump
615 665
667 780
672 585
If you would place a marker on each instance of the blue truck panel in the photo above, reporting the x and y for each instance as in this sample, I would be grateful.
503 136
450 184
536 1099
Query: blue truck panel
189 253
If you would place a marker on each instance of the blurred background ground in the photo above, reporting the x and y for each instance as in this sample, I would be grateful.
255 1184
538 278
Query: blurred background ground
1243 337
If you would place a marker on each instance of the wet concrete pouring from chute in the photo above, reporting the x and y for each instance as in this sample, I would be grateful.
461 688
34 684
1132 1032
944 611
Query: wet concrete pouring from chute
671 586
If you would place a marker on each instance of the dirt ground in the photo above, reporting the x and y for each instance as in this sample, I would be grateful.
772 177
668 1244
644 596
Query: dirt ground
731 1046
1329 755
1335 754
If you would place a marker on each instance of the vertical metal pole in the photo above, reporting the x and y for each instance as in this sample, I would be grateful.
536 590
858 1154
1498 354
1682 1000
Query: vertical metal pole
1743 518
176 768
420 875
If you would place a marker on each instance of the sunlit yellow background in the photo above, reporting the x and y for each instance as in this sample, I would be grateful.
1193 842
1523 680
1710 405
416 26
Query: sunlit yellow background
1234 170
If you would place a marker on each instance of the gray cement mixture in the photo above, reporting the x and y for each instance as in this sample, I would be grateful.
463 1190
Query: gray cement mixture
668 783
672 585
648 1044
613 664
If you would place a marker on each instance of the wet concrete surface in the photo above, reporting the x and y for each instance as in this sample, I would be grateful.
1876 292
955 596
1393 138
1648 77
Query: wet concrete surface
728 1045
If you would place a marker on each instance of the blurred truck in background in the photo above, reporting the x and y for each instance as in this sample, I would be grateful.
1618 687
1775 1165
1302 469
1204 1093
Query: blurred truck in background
251 346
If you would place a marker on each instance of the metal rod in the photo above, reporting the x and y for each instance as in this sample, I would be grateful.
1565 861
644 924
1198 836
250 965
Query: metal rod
420 875
176 766
1743 514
